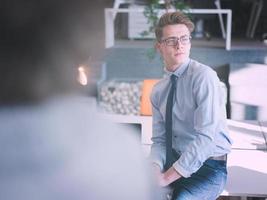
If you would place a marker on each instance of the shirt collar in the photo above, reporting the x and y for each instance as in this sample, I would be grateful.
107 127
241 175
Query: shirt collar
180 70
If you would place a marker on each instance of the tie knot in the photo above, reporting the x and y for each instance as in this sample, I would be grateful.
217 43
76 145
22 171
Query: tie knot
173 79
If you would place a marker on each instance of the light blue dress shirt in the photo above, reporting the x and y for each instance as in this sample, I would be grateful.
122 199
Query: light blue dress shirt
199 118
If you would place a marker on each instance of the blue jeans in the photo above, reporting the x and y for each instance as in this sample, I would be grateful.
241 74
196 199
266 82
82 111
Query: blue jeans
205 184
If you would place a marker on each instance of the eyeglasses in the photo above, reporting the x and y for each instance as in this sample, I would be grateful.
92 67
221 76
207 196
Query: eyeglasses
173 41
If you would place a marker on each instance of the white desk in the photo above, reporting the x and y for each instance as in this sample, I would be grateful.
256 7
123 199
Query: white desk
110 12
247 173
145 121
247 163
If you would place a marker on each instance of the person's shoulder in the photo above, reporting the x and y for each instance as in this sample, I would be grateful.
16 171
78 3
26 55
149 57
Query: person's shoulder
197 69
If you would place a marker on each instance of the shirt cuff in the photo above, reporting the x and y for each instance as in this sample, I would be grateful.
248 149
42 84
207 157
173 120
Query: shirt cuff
183 172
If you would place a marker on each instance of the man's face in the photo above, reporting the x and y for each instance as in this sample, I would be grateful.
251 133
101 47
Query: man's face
175 45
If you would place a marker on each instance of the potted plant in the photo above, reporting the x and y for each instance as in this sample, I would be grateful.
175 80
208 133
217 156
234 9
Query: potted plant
151 11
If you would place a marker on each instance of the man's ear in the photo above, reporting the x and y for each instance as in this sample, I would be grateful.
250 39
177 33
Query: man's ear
158 47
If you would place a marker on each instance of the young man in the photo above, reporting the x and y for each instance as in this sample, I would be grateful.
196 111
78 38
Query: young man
190 136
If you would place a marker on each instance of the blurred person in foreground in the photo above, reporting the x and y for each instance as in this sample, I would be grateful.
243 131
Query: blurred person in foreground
53 144
190 135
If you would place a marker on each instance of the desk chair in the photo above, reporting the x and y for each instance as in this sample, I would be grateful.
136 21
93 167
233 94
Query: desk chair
145 104
223 74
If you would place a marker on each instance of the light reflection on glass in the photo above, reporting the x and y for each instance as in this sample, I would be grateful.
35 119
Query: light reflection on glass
82 76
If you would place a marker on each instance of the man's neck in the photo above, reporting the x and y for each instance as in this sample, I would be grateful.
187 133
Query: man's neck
173 68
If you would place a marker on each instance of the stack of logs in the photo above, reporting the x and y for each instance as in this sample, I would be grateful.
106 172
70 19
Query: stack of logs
120 97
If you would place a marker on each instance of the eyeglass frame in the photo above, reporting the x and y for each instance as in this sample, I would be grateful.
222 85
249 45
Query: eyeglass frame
177 39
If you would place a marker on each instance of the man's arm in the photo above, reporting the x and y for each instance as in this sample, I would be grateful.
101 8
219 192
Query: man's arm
206 118
158 148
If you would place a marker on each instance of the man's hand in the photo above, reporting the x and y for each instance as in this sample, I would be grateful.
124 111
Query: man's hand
170 176
166 178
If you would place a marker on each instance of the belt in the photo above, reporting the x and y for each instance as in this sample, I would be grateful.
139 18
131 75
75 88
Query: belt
223 157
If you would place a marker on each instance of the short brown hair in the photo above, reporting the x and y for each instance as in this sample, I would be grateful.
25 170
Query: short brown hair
173 18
